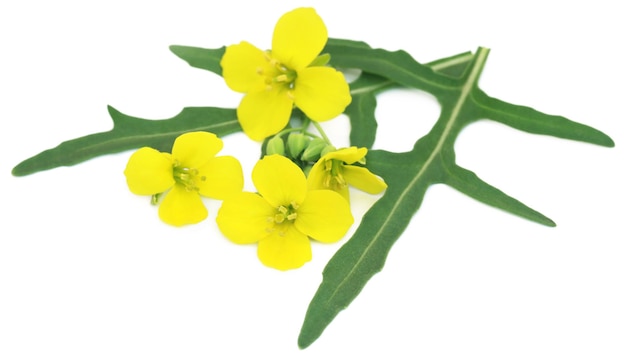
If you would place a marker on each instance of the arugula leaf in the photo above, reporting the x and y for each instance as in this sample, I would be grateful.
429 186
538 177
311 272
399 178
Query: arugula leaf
208 59
361 110
131 133
431 161
400 68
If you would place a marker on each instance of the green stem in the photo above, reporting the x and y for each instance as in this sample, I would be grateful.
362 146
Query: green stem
305 124
321 131
301 129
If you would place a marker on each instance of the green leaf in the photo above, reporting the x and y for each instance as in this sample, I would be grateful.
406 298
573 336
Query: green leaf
530 120
208 59
132 133
468 183
362 109
400 68
431 161
396 66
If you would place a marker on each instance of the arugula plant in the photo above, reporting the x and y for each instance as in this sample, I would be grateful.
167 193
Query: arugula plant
452 81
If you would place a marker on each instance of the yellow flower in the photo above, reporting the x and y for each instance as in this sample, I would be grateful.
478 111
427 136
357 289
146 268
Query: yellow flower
332 171
273 81
282 215
191 170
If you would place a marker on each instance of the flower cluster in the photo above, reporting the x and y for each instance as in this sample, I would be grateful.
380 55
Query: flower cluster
290 74
335 171
191 170
302 180
283 214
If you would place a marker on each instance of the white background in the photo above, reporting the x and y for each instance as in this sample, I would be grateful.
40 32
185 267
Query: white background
88 273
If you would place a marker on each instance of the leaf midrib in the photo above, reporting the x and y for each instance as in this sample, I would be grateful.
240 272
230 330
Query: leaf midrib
121 140
372 88
465 91
382 85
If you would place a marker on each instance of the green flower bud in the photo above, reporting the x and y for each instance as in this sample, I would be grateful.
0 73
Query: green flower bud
307 169
275 145
321 60
313 150
296 144
327 149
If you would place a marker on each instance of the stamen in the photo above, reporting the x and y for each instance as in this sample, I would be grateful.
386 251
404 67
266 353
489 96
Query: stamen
279 218
286 213
333 178
327 179
281 78
335 169
186 177
277 75
340 180
328 165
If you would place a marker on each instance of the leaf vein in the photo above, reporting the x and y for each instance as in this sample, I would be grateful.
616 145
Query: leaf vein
465 91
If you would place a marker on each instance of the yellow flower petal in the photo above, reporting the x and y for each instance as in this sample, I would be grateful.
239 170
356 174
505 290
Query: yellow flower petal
361 178
243 218
324 215
344 192
220 178
279 181
284 250
317 175
149 172
180 207
194 149
241 64
299 37
262 114
349 155
322 93
320 178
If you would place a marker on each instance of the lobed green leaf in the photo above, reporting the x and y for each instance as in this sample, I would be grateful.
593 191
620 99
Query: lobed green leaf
530 120
131 133
431 161
207 59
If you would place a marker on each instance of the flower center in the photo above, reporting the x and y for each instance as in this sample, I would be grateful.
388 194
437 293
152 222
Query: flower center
187 177
334 180
286 213
277 74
